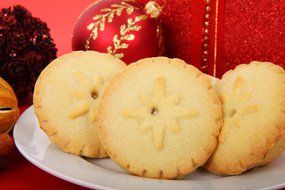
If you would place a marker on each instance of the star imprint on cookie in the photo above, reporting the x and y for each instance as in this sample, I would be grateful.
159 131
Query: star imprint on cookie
240 105
86 94
159 112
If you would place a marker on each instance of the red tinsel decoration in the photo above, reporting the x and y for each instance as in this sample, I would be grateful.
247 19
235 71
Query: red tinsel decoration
26 48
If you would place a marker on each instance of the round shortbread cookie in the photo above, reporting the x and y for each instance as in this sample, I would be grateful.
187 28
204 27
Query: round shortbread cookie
160 118
66 100
253 101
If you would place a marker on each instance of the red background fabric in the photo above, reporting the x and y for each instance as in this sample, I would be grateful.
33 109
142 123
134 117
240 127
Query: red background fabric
247 30
252 30
60 16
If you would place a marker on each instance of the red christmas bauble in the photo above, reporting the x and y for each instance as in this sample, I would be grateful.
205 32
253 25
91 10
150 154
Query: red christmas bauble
120 28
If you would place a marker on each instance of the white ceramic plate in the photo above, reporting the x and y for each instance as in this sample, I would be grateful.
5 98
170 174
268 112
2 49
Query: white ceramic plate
105 174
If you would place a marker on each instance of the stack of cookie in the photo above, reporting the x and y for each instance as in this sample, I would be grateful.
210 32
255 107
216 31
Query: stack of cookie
160 117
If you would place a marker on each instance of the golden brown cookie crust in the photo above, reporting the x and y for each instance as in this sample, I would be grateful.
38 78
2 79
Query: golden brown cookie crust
140 148
65 110
253 103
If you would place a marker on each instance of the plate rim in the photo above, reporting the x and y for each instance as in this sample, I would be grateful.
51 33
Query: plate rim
71 178
57 174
